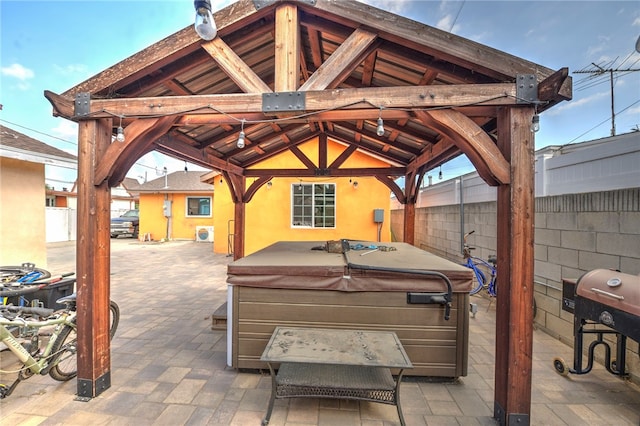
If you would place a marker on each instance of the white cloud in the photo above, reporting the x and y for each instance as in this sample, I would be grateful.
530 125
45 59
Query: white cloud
576 103
71 69
636 22
17 71
67 130
393 6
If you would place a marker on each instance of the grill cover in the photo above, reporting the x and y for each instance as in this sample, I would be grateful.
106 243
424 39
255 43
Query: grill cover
611 288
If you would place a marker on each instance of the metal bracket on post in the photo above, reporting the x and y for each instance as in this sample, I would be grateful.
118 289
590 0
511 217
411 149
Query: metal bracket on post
82 104
259 4
273 103
526 89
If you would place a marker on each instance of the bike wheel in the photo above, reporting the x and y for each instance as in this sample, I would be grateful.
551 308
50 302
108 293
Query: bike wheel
115 318
22 274
480 278
65 359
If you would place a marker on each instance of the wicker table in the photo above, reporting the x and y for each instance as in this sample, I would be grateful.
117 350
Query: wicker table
335 363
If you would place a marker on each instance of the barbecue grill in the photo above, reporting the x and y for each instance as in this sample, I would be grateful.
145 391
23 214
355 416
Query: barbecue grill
602 297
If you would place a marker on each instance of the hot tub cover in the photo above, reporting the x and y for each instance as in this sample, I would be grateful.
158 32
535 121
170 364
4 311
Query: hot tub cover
295 265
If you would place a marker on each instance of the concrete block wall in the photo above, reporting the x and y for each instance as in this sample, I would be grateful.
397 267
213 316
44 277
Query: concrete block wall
574 233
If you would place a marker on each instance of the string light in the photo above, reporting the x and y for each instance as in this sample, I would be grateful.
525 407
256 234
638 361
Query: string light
204 24
120 132
241 136
380 128
535 123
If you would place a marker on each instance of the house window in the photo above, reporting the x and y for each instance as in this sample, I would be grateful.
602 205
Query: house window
198 206
313 205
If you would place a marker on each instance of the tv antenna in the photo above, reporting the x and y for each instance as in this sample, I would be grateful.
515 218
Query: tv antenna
599 71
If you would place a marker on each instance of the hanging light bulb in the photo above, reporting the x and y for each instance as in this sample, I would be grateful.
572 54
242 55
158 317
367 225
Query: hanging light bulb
440 173
380 128
185 167
120 132
535 123
241 137
205 25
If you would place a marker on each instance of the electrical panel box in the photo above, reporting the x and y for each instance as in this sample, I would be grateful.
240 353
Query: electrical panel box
166 208
378 215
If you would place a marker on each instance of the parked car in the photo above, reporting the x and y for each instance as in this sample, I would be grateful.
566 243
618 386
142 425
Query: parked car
127 224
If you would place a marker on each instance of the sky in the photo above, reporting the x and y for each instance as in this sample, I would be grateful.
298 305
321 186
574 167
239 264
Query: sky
55 45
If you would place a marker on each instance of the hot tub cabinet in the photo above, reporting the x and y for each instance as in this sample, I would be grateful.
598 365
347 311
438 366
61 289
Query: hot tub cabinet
292 284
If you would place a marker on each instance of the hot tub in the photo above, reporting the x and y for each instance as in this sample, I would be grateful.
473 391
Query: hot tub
297 284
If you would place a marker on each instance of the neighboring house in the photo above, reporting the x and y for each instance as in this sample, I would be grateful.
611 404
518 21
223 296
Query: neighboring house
124 197
23 196
309 208
175 206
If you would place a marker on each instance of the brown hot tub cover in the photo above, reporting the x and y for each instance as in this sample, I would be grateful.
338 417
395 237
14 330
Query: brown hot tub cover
296 265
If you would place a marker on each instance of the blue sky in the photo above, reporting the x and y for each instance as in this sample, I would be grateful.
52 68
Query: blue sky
54 45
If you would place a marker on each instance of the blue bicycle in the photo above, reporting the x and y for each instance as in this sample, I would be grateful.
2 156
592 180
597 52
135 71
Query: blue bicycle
485 270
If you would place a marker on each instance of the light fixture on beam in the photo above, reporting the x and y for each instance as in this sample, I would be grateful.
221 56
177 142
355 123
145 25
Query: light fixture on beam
205 25
120 132
241 136
380 128
535 123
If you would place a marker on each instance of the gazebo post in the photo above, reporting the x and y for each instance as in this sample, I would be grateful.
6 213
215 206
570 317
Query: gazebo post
515 235
93 247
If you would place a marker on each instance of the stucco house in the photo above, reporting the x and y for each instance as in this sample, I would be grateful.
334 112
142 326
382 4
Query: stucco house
311 208
175 206
23 195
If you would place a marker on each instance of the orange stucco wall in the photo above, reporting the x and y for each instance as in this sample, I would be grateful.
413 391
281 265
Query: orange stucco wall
268 215
22 213
179 227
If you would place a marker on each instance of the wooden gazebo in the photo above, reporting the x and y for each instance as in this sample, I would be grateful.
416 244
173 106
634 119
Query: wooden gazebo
284 72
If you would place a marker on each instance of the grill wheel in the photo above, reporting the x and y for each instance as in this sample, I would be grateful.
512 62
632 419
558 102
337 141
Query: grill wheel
560 366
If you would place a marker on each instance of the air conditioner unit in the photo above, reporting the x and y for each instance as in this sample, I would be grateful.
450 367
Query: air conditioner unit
204 234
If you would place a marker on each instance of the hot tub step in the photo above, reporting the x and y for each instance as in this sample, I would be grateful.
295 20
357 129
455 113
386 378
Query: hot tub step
219 318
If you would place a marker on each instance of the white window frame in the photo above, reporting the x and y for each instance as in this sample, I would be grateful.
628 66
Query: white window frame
313 208
198 197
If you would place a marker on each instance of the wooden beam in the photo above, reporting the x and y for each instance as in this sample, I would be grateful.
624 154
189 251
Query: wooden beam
423 38
165 51
235 68
306 161
393 186
367 98
369 171
93 262
515 232
287 55
472 140
138 137
556 87
342 62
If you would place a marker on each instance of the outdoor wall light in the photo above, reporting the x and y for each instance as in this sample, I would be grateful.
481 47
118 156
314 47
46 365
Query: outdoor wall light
535 123
205 25
355 184
241 137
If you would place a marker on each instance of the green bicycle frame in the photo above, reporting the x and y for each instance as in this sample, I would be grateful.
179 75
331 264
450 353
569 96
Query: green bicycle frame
36 366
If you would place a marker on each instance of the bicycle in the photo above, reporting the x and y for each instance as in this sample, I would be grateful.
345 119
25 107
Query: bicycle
477 265
22 329
473 262
25 273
